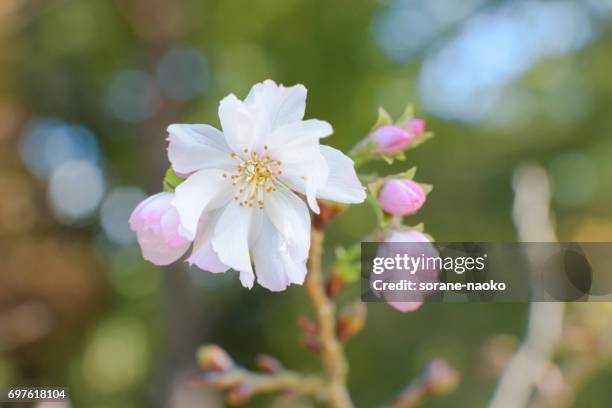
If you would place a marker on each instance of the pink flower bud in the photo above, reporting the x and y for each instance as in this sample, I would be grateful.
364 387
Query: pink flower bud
269 364
401 197
158 230
407 236
422 275
391 139
415 127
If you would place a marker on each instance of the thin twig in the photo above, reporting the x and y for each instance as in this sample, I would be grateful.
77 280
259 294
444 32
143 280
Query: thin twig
259 383
240 384
332 353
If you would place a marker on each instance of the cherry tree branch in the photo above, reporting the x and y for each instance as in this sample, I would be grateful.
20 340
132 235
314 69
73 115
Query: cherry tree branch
332 354
242 384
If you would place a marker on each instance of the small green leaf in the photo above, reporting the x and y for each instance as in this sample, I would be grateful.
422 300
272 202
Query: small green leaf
371 199
405 175
419 227
426 188
390 159
349 272
387 159
422 139
406 116
348 263
384 119
388 219
171 180
375 187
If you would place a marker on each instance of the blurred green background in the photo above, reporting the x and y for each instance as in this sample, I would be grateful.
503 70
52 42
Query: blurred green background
88 87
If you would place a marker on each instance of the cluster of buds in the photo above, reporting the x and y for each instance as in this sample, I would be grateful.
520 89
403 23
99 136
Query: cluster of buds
397 195
389 139
393 196
394 139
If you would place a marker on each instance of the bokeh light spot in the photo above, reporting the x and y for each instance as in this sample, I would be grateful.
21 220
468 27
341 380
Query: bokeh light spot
574 177
133 96
115 212
47 143
75 190
116 357
182 73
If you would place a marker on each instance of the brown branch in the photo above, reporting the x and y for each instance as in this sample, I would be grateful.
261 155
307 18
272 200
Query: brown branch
220 372
242 384
332 353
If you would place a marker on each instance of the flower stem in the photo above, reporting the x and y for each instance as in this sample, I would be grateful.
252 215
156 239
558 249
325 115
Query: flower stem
332 353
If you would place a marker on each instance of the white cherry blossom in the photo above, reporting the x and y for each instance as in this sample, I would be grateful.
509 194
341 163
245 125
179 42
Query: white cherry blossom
241 202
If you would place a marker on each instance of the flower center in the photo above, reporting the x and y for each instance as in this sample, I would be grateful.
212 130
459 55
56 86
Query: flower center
255 175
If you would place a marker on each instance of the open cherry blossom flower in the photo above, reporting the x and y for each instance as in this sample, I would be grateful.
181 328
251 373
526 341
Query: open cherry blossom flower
240 197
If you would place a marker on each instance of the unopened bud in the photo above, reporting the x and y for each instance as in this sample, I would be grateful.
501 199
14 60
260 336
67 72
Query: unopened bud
307 326
351 321
213 358
391 139
401 197
415 127
269 364
311 343
334 284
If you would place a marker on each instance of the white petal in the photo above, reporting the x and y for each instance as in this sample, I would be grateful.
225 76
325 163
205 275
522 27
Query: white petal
290 216
247 279
294 136
238 123
204 190
342 185
231 240
307 175
276 268
196 147
281 105
203 255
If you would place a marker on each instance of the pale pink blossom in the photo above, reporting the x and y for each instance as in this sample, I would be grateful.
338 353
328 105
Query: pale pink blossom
158 230
239 202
